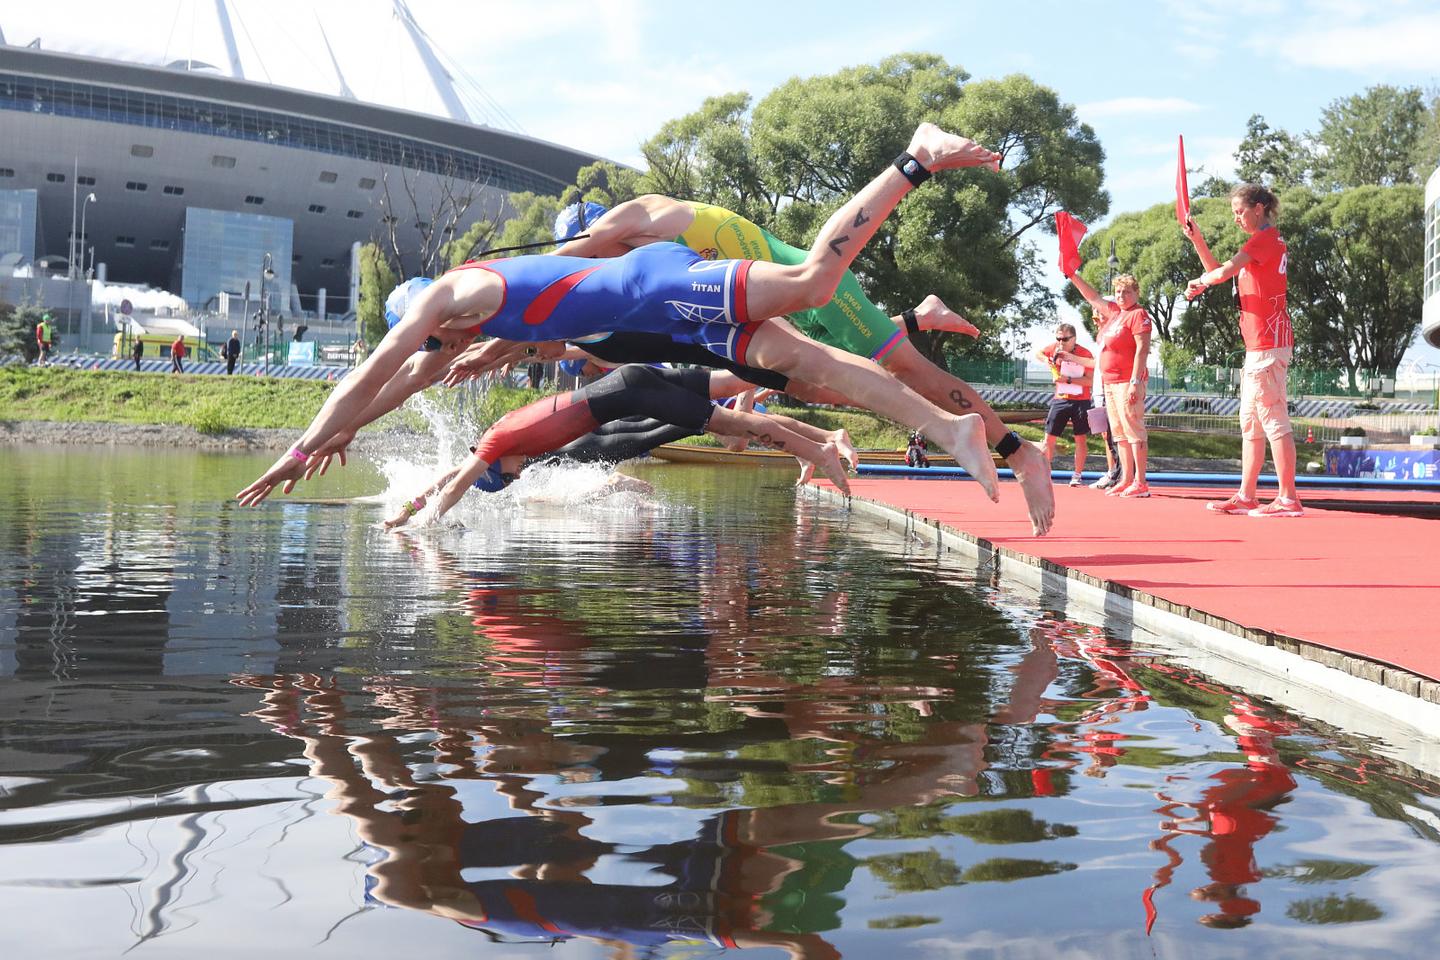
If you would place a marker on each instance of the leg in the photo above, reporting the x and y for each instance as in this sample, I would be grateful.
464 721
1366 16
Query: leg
1283 450
762 429
949 392
1082 450
774 289
778 346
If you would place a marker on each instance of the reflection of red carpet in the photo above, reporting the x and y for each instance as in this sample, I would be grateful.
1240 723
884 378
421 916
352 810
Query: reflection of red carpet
1362 584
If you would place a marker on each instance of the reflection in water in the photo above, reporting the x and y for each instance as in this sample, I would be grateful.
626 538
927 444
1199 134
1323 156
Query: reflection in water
715 720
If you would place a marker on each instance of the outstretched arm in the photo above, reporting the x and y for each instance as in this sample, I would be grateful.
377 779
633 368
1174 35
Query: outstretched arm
634 223
1216 275
1191 229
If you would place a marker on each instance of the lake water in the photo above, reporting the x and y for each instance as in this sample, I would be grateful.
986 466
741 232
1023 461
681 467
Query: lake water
718 717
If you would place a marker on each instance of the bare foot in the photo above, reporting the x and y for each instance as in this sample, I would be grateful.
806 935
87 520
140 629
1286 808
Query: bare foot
1033 471
830 465
934 315
938 150
619 482
807 473
964 439
841 439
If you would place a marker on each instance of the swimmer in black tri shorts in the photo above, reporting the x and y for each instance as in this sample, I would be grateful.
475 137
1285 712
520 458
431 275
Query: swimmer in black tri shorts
665 287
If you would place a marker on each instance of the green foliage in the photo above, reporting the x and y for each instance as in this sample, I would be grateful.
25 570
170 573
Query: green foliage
914 871
903 921
1272 157
1353 432
210 418
1334 909
17 331
604 183
1320 871
1355 271
1176 360
1373 138
377 279
533 222
480 236
1007 870
708 155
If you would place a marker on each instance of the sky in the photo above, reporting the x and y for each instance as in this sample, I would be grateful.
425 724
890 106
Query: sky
603 75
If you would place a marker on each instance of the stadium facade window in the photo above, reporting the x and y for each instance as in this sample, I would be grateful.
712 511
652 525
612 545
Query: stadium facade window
173 191
124 241
327 262
253 200
141 150
139 186
221 250
354 214
18 221
317 208
159 244
85 181
224 162
328 176
31 94
367 183
7 171
55 177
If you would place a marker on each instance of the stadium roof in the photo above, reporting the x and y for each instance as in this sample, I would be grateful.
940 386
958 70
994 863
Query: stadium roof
371 51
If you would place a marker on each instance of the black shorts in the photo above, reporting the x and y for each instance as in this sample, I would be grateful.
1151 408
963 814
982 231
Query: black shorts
1064 410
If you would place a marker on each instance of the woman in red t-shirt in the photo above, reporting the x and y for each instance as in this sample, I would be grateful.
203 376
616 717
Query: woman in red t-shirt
1124 339
1260 268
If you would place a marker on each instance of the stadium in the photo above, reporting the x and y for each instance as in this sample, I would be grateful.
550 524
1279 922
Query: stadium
254 158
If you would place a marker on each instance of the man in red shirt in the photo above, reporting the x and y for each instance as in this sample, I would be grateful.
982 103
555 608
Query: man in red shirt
1260 268
1072 401
1124 339
177 354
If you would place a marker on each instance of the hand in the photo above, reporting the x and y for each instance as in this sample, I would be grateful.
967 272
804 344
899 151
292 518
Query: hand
286 470
1190 228
470 364
319 461
1132 395
1196 287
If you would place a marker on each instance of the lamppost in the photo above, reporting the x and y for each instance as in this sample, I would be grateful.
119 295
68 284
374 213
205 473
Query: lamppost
81 243
267 273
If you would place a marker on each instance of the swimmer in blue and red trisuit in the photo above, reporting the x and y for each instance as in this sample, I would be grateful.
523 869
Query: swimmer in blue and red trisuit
666 288
678 397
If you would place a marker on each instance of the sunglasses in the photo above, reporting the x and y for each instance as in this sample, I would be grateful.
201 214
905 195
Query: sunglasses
1063 339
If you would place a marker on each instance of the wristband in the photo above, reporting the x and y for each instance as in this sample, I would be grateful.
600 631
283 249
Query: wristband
911 169
1008 444
912 323
299 454
412 507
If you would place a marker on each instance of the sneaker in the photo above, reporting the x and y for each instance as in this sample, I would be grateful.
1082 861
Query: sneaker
1076 480
1120 487
1279 507
1136 491
1102 483
1235 505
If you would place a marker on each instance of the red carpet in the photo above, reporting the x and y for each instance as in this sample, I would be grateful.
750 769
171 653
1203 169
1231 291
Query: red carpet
1358 583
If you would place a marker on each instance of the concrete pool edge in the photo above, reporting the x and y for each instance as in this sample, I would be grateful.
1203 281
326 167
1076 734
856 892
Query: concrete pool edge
1404 699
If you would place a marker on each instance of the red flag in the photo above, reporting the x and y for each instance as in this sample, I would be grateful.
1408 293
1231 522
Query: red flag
1070 232
1182 187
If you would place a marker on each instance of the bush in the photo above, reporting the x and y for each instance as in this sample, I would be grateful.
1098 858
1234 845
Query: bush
1427 432
1353 432
210 419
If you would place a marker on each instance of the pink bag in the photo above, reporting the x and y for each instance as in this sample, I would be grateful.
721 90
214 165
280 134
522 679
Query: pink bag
1099 420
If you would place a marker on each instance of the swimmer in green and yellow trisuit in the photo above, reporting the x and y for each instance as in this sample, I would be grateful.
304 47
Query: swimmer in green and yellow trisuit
848 321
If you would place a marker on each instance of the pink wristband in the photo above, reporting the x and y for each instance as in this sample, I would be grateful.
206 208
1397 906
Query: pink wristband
299 454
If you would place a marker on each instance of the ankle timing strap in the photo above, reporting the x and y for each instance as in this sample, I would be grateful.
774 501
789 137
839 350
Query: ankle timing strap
911 169
912 324
1008 444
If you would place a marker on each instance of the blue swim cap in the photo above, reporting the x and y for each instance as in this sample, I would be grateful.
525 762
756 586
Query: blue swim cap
567 222
572 367
492 480
401 297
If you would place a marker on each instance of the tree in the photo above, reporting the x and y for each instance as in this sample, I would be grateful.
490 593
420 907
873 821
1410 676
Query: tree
604 183
437 208
1355 269
17 331
1427 147
708 155
377 279
1372 138
1272 157
480 236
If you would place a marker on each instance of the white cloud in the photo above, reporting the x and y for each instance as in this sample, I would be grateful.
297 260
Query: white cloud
1132 106
1403 43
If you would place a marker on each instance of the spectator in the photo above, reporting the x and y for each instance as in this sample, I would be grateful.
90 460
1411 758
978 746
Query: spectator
177 354
137 351
232 352
1124 338
359 350
1260 269
44 338
1071 404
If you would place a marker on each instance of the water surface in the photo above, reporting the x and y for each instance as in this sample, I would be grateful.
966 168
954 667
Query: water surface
715 718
